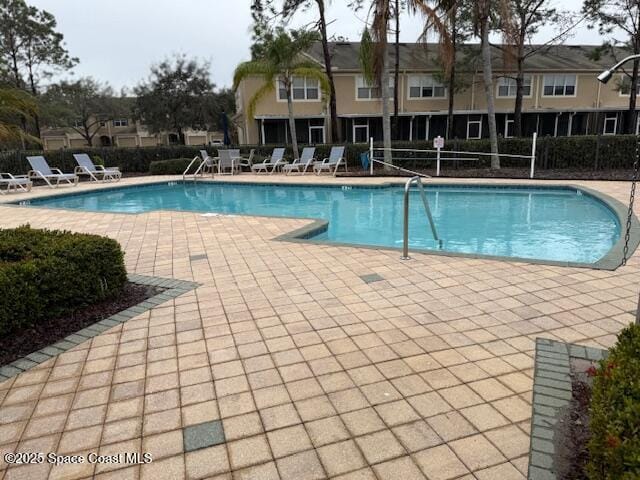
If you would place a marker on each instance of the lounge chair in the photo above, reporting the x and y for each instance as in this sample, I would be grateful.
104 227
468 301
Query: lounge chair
40 169
229 160
247 161
274 161
18 182
304 162
333 162
209 162
95 172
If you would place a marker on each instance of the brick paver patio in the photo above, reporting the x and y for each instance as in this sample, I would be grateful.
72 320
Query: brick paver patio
285 363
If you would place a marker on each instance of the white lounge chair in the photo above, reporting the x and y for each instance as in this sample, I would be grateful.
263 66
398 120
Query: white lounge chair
248 161
274 161
229 160
17 182
304 162
210 163
95 172
333 162
40 169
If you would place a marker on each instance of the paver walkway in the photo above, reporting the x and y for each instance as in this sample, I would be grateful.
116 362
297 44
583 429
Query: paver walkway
286 364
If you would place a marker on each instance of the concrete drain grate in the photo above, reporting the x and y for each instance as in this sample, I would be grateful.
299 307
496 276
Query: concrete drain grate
371 277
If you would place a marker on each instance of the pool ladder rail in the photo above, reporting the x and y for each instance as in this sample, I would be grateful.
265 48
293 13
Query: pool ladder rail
202 166
425 203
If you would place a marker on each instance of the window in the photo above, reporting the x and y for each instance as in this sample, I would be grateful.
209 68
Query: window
624 86
559 85
474 126
508 127
302 88
610 124
360 130
507 86
365 91
425 86
120 122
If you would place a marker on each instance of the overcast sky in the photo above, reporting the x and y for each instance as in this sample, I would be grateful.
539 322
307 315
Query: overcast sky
118 40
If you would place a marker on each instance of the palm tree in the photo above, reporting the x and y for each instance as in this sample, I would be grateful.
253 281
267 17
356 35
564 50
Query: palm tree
15 103
374 61
442 16
282 58
482 26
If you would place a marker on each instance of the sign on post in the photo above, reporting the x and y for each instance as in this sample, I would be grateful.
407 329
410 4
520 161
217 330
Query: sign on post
438 144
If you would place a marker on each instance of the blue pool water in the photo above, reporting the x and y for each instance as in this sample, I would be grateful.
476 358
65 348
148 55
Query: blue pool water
559 224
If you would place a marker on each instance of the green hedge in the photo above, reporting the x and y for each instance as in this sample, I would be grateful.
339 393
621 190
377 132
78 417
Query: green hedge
174 166
614 447
588 153
46 274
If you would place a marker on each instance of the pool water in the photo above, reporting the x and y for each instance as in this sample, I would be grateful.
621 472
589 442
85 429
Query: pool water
558 224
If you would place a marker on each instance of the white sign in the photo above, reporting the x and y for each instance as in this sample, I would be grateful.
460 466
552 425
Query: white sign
438 142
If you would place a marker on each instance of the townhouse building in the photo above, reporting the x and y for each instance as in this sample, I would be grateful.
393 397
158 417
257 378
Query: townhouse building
123 132
562 97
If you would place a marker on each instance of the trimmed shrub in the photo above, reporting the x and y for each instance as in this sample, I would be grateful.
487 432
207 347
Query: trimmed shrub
584 153
614 447
174 166
45 274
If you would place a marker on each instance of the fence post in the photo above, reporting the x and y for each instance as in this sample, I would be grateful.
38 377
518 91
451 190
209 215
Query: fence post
371 156
533 154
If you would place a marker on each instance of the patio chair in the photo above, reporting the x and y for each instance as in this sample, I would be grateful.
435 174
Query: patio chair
248 161
305 161
209 162
17 182
229 160
333 162
95 172
40 169
274 161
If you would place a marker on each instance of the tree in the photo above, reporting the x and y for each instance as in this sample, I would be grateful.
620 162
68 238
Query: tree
482 27
81 105
289 8
177 96
31 46
619 17
374 59
15 103
521 21
449 20
282 59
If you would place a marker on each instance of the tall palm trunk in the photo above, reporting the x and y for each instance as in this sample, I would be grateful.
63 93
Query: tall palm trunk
386 117
335 132
452 72
487 76
292 122
517 111
396 74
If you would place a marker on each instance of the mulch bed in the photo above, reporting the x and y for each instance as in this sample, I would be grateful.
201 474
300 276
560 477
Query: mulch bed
511 173
572 453
18 344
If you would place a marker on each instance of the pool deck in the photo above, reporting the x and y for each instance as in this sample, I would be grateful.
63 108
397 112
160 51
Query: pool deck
314 361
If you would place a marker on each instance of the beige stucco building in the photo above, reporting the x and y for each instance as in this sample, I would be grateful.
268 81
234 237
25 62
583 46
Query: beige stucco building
563 97
123 132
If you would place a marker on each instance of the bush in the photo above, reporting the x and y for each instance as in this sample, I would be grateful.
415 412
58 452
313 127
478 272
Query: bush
585 152
174 166
614 447
45 274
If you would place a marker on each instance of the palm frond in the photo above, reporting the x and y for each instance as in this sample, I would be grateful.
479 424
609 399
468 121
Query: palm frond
248 69
433 21
18 102
365 56
259 95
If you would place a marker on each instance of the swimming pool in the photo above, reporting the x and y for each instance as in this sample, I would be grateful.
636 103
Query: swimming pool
550 224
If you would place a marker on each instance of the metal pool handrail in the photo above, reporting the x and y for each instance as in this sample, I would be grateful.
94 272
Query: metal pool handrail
425 202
